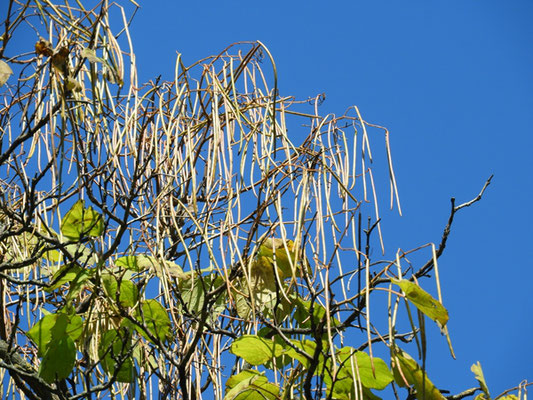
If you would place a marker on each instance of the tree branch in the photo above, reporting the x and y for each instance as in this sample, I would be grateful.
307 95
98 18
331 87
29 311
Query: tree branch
462 395
16 365
429 264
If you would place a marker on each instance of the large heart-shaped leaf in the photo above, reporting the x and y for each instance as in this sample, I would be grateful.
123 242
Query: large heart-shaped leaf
255 349
80 221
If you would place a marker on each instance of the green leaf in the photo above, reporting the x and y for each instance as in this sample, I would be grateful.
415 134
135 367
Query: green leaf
79 282
308 347
405 367
74 327
368 395
478 373
354 365
70 273
250 385
377 378
110 285
59 330
80 221
128 292
155 319
193 291
255 350
234 380
41 332
285 358
303 313
55 327
65 274
343 388
145 359
58 360
131 262
423 301
113 349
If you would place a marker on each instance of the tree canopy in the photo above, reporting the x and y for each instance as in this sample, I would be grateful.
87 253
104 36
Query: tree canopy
172 239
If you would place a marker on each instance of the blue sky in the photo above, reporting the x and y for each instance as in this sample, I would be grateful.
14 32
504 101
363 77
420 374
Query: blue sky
453 82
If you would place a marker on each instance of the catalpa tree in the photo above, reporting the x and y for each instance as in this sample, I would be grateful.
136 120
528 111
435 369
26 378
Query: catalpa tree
172 240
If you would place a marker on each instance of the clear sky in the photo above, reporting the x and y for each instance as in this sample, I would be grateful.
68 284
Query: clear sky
453 82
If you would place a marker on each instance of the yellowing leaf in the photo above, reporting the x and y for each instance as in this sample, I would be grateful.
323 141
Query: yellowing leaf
21 248
113 76
263 279
5 72
60 60
193 289
142 262
44 48
52 255
407 372
90 54
478 372
274 251
260 291
73 85
423 301
79 253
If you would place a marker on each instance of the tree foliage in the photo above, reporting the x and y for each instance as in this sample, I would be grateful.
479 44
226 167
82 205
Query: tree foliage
172 239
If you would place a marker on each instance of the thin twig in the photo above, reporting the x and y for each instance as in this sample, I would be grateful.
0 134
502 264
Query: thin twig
429 264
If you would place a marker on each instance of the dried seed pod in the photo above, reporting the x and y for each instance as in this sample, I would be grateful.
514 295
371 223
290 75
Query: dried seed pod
44 48
60 60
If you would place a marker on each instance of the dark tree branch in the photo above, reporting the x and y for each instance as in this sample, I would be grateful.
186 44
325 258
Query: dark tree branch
19 367
462 395
430 263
